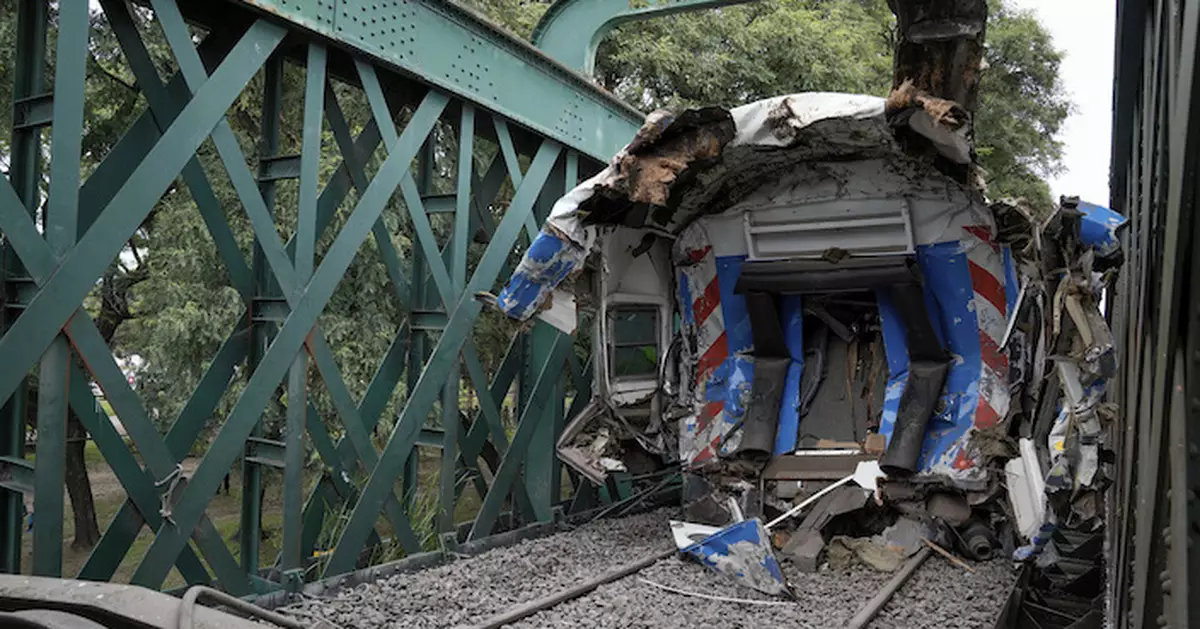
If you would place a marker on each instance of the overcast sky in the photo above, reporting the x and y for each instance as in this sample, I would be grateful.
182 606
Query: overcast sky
1084 30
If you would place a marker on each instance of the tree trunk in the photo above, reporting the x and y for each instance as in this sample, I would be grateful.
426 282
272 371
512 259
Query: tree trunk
79 487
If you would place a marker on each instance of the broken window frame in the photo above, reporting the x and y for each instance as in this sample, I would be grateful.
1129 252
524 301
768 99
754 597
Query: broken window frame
625 389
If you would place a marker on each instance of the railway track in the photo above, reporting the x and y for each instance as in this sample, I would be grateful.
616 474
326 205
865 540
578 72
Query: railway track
661 590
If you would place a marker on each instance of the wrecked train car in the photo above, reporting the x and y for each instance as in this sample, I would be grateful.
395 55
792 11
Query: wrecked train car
793 287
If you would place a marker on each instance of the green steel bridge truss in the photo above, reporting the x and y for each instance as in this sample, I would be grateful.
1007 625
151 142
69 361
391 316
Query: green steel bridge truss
427 64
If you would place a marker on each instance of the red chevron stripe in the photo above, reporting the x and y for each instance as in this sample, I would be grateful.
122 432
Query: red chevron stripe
710 410
713 356
986 416
988 286
992 355
707 302
696 255
983 233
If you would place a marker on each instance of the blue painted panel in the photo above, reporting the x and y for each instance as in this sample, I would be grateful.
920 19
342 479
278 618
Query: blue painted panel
545 265
948 281
733 306
743 553
686 301
730 384
1099 228
895 347
1012 285
791 316
949 297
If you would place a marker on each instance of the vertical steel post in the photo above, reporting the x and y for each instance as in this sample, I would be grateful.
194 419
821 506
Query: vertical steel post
418 300
448 494
541 463
59 227
25 172
306 240
265 291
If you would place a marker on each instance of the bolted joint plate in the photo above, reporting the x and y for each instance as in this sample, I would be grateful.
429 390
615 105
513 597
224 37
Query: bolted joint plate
454 49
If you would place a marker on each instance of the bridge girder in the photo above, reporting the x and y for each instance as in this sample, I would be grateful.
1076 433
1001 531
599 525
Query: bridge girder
571 30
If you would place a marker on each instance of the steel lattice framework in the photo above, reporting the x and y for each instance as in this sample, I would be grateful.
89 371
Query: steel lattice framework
427 63
1154 560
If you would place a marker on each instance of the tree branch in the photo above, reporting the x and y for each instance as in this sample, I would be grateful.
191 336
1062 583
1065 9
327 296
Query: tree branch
114 78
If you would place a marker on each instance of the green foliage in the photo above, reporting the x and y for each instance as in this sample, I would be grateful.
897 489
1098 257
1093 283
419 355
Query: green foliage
739 54
1022 107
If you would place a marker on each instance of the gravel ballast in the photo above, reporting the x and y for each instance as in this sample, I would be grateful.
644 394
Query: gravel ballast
470 591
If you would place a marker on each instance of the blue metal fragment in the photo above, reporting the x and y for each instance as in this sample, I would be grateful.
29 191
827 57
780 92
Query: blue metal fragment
1099 228
547 262
743 553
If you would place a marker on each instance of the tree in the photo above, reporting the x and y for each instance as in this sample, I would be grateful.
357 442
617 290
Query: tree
739 54
1022 107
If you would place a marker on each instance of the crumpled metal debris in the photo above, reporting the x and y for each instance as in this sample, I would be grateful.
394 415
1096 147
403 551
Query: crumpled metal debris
843 552
1055 483
743 553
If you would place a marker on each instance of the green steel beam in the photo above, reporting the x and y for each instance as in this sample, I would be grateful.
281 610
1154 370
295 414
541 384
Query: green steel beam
95 354
358 434
509 151
541 463
291 552
353 163
255 203
275 254
290 339
54 303
399 447
117 456
570 31
462 53
25 172
263 291
61 219
527 427
459 242
164 102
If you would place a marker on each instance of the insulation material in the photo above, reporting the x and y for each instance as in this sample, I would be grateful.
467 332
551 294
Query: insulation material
966 297
775 121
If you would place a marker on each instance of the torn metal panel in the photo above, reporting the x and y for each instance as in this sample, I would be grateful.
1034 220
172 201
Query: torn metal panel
548 262
966 296
688 534
1026 489
743 553
1099 227
815 465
